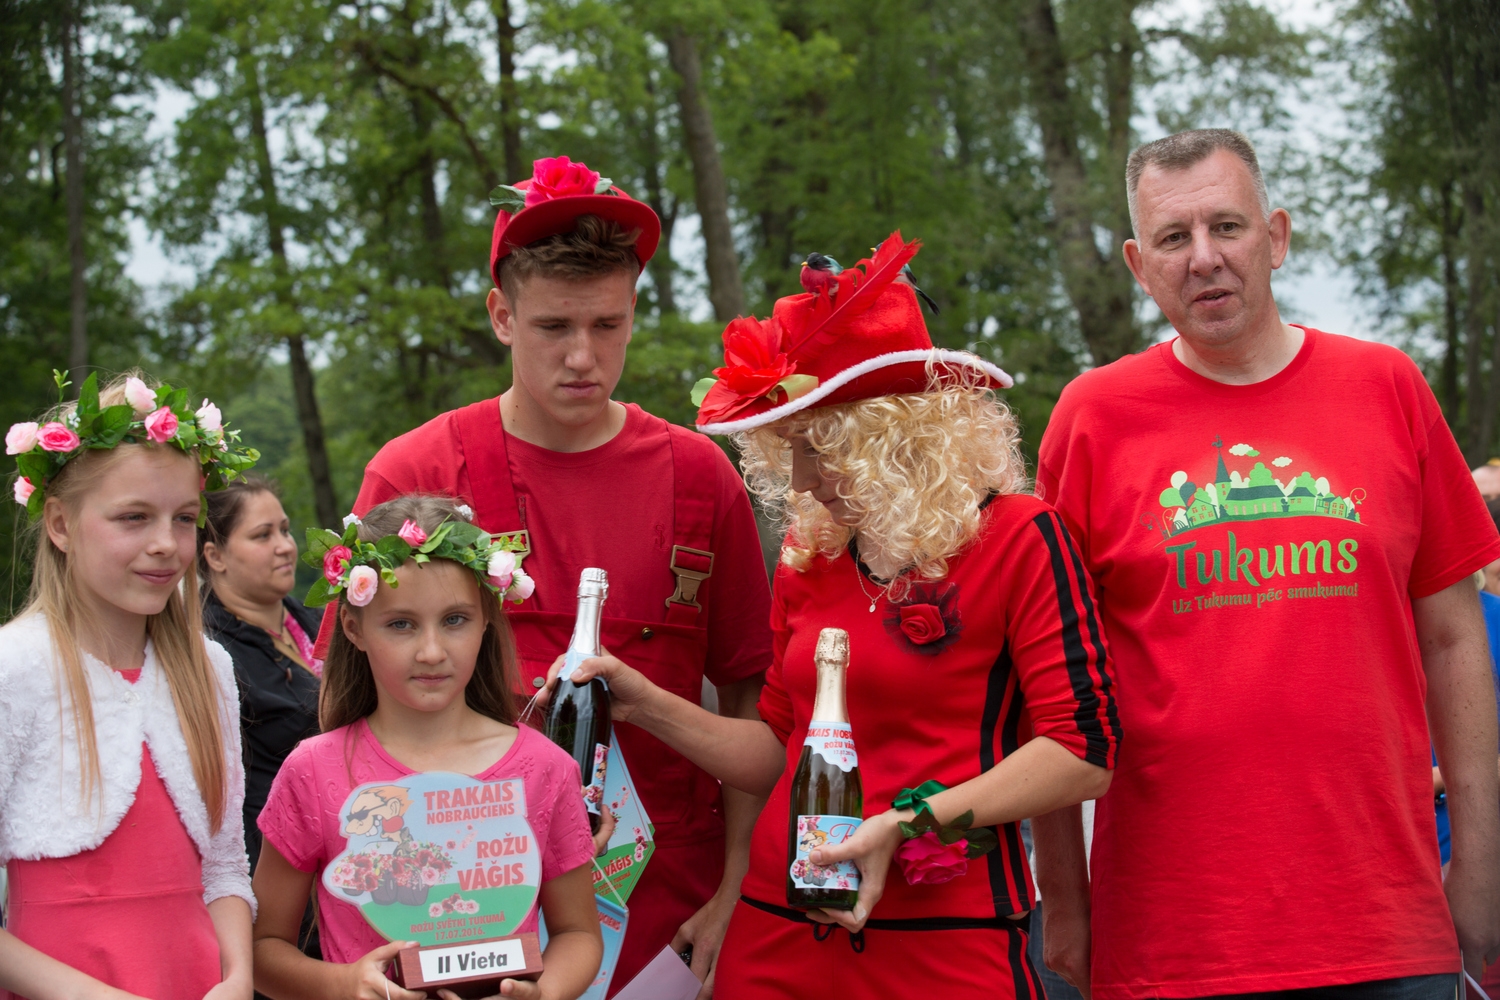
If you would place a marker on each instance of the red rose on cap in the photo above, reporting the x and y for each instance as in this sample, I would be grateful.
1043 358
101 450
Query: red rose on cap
756 368
550 201
559 177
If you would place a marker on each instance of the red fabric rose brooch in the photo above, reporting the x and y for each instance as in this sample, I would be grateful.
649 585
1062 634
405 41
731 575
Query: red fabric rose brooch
926 622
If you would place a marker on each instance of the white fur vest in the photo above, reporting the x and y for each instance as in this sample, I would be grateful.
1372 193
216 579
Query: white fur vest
42 812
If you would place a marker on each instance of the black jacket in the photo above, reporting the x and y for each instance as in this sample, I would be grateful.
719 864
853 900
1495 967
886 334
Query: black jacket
278 700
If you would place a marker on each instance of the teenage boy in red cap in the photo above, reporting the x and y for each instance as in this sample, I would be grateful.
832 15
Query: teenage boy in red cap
594 482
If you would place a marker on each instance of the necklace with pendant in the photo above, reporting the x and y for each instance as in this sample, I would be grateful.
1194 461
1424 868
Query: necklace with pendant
861 571
860 576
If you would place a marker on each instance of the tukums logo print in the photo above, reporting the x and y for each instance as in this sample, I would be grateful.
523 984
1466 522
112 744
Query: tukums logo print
1232 496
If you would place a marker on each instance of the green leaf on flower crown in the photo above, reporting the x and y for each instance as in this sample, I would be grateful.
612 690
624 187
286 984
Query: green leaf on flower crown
34 504
34 466
393 548
115 419
351 533
700 389
319 541
508 199
318 594
62 383
88 396
202 509
389 576
797 385
436 538
603 186
177 401
466 535
421 557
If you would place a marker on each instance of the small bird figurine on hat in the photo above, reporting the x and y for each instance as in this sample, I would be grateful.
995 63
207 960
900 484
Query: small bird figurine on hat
911 279
818 274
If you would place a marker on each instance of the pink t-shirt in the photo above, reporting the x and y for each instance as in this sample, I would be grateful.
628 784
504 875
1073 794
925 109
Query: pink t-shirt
301 817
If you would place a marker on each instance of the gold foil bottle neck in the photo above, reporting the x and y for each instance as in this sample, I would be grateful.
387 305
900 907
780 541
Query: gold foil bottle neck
833 648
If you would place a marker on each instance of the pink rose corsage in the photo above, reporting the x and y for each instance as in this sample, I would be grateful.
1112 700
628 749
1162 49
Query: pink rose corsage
934 853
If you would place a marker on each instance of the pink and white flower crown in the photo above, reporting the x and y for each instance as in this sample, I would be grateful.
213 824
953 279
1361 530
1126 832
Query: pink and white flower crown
156 416
355 567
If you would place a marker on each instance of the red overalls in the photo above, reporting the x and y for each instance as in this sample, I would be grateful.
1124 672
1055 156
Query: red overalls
683 801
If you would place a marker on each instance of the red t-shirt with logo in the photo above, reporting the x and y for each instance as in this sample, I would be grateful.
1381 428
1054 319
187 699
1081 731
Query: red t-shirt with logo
1257 549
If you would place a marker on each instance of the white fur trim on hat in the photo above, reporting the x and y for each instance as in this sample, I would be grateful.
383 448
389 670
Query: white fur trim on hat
843 378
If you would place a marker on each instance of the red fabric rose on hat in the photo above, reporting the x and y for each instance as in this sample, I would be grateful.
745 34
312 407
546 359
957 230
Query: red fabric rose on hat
926 860
559 177
755 365
922 623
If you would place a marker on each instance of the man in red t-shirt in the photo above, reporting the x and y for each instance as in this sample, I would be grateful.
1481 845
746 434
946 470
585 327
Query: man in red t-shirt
593 482
1283 533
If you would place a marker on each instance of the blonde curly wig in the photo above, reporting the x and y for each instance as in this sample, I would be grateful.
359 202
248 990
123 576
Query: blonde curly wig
914 469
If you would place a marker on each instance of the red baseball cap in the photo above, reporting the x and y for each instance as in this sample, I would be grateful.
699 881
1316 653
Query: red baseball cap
557 193
867 340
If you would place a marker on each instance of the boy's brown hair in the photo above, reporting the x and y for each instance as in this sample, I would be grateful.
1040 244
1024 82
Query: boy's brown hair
595 247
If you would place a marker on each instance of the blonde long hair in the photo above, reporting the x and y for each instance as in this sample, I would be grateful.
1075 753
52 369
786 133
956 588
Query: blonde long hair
176 632
915 469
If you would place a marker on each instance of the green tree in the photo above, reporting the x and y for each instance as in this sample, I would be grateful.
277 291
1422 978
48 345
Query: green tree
1089 63
1424 172
37 273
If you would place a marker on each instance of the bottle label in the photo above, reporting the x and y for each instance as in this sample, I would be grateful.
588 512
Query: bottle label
570 664
814 832
593 792
834 742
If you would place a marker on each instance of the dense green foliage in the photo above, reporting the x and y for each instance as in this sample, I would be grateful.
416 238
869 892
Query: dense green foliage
326 179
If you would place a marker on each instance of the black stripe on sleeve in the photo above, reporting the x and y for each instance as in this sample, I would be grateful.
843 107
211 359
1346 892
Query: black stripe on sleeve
1096 634
1087 714
1004 865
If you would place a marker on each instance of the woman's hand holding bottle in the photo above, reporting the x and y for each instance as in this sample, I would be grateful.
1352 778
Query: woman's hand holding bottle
628 687
871 848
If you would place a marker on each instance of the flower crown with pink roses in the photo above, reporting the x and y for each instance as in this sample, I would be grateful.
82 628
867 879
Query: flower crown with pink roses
159 416
354 567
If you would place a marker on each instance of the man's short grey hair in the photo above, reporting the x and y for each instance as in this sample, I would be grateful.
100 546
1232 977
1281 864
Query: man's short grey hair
1186 149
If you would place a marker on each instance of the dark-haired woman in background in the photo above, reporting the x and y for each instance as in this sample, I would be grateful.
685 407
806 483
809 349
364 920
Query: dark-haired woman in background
247 559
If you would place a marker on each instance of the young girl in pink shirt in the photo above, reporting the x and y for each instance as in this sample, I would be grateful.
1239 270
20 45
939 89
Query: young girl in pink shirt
120 773
419 677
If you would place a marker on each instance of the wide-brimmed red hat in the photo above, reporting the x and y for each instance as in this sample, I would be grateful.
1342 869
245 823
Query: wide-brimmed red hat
863 338
552 199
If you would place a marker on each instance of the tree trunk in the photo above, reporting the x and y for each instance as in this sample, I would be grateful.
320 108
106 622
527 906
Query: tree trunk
78 339
510 104
1480 404
1099 287
661 264
1448 378
711 192
325 502
480 338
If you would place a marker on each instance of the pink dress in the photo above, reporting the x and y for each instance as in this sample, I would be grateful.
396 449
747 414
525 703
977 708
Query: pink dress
302 819
130 912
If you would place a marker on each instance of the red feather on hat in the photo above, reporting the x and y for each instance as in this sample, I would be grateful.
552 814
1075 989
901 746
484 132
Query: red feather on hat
859 287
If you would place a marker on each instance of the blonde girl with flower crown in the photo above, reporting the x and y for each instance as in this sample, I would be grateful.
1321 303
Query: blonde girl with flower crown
418 678
120 772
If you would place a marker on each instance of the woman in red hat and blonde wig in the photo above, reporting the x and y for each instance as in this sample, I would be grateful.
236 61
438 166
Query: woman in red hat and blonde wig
978 684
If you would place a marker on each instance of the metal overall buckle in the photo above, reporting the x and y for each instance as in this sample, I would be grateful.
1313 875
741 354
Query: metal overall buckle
689 580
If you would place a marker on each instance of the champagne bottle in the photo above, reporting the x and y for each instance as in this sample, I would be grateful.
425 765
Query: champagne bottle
578 714
827 802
